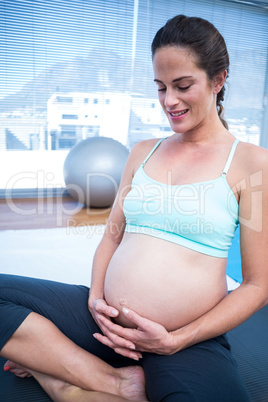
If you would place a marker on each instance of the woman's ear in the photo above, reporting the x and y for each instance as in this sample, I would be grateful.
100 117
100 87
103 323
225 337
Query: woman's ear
219 81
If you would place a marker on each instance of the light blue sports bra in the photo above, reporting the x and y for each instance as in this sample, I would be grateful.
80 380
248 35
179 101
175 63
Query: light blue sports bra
201 216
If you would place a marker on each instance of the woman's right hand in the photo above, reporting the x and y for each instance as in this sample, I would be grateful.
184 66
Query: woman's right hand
99 308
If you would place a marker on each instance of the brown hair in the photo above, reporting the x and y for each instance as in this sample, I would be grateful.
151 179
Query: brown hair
201 38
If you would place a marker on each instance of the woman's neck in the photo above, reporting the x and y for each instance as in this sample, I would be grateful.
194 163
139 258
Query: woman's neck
205 133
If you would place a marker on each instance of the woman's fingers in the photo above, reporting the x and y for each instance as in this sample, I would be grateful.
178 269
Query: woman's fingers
115 333
127 333
128 353
101 307
120 350
135 318
111 326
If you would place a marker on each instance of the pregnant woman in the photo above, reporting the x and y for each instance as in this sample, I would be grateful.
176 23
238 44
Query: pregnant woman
153 325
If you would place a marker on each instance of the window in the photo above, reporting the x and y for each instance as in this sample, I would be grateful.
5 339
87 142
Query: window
70 116
66 65
64 99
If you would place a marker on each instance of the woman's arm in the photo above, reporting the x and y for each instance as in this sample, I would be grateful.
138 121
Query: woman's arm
116 223
102 257
111 240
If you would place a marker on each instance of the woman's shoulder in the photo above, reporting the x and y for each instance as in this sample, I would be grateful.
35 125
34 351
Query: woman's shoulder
250 173
252 148
252 157
145 145
139 152
142 148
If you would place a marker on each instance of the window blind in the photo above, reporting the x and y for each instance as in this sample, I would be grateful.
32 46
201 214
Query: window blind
66 67
245 29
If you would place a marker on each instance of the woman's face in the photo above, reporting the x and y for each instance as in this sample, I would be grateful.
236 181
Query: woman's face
185 93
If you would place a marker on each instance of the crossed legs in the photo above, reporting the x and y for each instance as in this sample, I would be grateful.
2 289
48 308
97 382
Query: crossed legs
60 391
46 327
71 372
66 371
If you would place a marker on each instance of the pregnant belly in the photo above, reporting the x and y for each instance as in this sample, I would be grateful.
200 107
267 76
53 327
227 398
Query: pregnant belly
162 281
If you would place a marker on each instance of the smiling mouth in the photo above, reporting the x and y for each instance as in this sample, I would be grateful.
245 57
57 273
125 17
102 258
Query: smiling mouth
179 113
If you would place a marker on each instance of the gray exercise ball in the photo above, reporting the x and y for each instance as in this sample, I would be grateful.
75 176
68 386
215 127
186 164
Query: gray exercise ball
92 171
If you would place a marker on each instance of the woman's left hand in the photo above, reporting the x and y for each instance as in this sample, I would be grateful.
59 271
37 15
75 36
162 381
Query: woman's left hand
149 336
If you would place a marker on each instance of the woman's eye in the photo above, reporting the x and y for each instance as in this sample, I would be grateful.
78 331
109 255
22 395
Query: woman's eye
161 89
184 88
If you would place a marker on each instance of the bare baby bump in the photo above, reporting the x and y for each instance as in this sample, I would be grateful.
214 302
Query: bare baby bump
166 285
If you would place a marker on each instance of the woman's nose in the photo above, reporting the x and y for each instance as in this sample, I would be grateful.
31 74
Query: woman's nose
171 99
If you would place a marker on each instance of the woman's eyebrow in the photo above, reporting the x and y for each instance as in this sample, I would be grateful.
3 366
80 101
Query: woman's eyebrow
175 80
181 78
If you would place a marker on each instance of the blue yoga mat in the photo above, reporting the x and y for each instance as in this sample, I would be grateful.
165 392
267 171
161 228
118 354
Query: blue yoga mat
234 259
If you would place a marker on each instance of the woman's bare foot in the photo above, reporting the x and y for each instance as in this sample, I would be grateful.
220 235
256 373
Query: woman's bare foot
131 386
16 369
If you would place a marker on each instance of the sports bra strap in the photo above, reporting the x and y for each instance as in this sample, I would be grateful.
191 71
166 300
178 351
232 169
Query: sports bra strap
152 151
226 167
230 158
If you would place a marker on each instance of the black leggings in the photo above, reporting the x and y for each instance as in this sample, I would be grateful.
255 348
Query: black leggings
205 372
